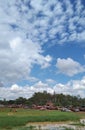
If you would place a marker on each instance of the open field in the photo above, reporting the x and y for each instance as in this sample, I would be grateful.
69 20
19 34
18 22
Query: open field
11 118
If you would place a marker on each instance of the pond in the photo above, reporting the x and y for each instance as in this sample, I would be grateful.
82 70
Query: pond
56 126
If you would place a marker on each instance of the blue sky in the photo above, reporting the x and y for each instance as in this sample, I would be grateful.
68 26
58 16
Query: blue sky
42 47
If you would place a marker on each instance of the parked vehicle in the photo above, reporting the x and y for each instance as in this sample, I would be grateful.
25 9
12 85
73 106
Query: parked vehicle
65 109
82 108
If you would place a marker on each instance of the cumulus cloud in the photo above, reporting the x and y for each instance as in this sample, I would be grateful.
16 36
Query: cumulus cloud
16 91
17 58
61 88
15 88
73 87
69 66
79 85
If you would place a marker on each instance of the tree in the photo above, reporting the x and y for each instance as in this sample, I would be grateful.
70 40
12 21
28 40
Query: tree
20 100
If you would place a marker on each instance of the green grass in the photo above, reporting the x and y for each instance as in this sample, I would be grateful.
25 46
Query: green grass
12 119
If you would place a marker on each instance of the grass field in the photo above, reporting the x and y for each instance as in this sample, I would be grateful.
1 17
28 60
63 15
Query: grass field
10 119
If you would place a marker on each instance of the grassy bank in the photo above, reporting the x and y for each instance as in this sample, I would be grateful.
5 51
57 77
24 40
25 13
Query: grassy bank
12 119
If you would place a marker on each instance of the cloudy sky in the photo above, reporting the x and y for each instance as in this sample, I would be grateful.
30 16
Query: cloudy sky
42 47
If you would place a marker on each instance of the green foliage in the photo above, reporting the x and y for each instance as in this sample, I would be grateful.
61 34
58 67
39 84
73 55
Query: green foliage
41 98
20 100
58 99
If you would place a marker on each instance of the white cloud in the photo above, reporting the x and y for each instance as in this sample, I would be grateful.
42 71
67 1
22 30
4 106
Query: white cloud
32 79
18 57
44 61
50 81
69 8
73 87
81 35
69 66
15 88
79 7
61 88
15 43
42 21
79 84
41 85
16 91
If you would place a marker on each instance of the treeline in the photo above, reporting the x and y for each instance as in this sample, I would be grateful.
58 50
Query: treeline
41 98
